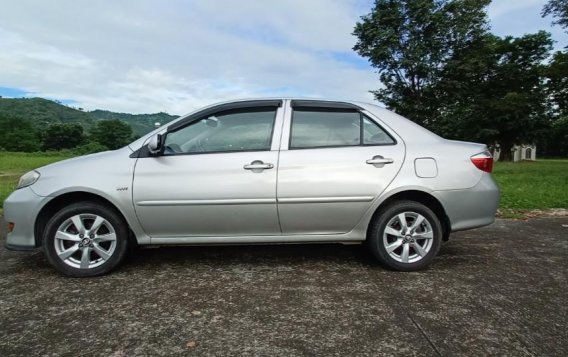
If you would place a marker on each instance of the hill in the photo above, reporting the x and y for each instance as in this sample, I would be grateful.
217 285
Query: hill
41 112
140 123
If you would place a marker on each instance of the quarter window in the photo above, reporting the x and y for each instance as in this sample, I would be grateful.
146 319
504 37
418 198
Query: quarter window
313 128
374 134
235 130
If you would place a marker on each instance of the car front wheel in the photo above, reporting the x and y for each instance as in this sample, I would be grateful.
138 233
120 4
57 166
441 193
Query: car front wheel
405 236
85 239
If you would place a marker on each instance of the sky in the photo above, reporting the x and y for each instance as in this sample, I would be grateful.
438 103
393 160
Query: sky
146 56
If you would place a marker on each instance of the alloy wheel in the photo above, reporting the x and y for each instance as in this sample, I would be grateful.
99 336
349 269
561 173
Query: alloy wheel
85 241
408 237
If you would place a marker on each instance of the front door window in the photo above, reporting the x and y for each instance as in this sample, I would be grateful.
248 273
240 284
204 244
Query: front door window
235 130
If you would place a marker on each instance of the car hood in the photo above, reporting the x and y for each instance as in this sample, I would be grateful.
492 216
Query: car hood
83 161
101 172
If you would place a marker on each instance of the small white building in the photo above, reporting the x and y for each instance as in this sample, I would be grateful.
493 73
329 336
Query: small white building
520 152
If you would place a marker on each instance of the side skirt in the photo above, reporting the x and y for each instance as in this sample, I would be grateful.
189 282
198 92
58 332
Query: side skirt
335 238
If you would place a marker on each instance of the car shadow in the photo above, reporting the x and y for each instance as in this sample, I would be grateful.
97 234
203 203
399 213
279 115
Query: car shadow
250 256
274 254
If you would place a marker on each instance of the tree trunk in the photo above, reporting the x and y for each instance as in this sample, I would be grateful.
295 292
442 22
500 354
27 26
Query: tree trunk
506 154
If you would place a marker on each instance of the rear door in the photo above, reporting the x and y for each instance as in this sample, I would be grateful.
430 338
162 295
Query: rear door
334 161
216 176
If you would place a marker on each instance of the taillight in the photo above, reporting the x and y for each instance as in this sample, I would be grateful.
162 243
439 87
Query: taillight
483 161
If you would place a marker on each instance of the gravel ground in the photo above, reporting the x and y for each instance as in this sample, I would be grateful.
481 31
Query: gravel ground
497 290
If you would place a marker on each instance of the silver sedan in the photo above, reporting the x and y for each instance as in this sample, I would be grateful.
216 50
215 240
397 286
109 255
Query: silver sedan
259 171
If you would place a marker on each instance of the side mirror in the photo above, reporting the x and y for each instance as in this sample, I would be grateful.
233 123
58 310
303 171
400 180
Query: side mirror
155 144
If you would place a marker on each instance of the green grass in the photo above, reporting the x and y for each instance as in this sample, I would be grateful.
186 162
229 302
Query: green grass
524 185
14 164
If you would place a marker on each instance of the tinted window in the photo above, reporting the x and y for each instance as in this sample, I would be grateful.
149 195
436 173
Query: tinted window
242 130
329 128
312 128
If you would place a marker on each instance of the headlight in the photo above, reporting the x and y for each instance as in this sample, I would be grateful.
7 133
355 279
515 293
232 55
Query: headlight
28 179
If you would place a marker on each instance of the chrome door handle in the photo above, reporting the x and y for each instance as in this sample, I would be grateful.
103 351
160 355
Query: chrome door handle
379 160
257 166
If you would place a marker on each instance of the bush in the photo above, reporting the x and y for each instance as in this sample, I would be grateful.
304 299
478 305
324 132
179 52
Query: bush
88 148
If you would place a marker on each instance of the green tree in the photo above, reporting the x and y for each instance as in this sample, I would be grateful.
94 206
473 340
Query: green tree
498 91
559 137
112 133
18 135
557 74
410 42
62 136
554 139
559 10
441 68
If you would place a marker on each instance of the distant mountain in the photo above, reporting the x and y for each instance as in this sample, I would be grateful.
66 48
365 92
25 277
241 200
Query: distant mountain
41 112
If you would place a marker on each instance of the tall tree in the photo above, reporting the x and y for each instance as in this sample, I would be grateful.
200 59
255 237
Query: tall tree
559 10
410 42
441 67
557 74
112 133
499 91
554 140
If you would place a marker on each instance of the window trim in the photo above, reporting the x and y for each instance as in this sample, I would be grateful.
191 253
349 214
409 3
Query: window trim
336 109
221 108
323 104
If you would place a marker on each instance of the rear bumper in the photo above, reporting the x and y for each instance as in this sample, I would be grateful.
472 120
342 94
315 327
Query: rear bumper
473 207
22 208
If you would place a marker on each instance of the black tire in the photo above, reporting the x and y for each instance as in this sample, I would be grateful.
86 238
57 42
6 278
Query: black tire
376 245
86 209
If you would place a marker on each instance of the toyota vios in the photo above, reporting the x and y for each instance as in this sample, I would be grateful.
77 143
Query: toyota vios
259 171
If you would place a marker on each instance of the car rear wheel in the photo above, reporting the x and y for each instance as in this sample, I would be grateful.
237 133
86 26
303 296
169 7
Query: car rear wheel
405 236
85 239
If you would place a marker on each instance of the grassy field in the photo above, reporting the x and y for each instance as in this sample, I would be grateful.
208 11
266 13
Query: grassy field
524 185
13 165
533 185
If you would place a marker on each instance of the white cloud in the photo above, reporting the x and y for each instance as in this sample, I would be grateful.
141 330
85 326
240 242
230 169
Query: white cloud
147 56
153 55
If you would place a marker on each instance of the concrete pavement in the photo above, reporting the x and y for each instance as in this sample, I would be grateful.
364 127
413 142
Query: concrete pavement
496 290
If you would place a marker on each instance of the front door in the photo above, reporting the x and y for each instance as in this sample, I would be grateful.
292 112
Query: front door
215 177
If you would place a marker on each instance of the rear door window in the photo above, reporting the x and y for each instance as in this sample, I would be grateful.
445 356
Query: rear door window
320 128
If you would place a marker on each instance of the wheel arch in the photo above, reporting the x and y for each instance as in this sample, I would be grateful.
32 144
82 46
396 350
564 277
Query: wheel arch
64 199
419 196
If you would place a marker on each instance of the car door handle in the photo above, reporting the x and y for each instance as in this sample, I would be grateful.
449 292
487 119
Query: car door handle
379 160
258 165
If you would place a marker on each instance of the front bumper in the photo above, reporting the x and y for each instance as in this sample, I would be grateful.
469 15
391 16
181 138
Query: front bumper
473 207
22 208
